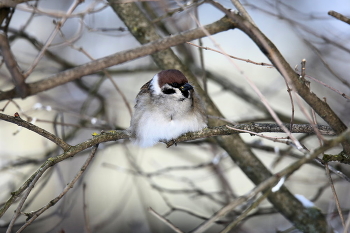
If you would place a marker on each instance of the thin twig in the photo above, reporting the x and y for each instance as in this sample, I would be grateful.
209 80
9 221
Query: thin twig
31 183
312 118
289 90
18 121
223 211
335 195
245 213
328 86
127 104
30 19
271 66
274 139
73 150
7 103
347 224
242 11
236 58
303 68
58 26
314 123
78 34
273 180
33 215
201 59
339 16
254 87
171 12
85 210
244 95
61 14
166 221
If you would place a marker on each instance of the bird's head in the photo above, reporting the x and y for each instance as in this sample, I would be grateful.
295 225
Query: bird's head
171 84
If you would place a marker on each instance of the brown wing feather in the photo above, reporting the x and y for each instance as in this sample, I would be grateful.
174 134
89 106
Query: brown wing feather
143 90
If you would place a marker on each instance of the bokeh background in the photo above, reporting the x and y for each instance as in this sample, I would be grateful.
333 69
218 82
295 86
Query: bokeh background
191 180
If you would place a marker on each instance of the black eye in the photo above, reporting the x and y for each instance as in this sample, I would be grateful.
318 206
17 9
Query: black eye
176 85
168 91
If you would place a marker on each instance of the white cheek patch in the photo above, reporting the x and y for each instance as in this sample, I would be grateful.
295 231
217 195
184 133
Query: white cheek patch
178 92
155 85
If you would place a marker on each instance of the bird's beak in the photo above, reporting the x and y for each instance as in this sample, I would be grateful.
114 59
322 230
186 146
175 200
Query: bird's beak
186 87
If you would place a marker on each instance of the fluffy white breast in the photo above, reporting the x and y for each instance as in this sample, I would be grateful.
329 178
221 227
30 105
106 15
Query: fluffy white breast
155 126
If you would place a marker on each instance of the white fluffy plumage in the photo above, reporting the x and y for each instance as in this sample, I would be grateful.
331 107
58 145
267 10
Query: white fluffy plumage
166 107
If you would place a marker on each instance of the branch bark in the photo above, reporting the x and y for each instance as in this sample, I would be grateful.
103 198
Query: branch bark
11 3
72 151
298 84
117 58
301 217
12 66
226 84
114 135
253 127
268 183
35 214
205 133
339 16
18 121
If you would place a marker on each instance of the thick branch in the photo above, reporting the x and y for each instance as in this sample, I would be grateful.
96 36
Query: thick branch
253 127
118 58
11 3
12 66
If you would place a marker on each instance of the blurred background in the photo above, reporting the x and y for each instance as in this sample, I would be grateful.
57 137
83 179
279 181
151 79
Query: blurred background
186 183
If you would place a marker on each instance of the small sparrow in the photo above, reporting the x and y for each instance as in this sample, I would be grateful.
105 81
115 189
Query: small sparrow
166 107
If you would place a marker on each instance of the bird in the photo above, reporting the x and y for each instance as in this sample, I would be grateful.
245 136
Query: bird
166 107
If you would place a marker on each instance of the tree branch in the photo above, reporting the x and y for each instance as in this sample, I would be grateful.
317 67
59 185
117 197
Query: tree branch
114 135
298 84
53 138
268 183
11 3
144 31
72 151
35 214
226 84
12 66
253 127
63 77
339 16
207 132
